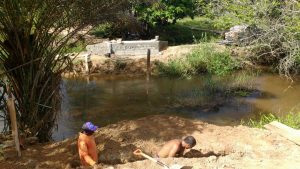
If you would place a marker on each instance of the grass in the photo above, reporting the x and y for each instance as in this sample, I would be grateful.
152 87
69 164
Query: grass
178 34
206 58
186 31
189 30
76 47
291 119
219 62
102 30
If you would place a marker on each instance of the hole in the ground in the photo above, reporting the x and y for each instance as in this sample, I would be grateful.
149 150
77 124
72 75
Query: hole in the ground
196 153
187 167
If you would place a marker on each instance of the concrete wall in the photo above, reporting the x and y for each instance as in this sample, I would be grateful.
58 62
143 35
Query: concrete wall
128 48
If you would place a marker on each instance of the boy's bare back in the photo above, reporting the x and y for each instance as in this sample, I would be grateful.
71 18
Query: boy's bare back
170 149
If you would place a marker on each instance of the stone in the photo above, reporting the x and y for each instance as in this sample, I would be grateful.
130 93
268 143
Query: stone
240 34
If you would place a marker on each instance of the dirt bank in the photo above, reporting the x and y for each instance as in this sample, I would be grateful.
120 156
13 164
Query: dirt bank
217 147
127 64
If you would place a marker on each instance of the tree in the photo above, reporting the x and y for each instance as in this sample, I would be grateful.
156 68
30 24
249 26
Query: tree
33 34
278 40
162 12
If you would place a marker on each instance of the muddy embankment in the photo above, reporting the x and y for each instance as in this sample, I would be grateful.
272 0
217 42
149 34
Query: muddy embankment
126 64
217 147
137 65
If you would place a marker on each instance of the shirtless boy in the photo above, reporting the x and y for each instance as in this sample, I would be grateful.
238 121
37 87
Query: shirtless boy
176 147
87 146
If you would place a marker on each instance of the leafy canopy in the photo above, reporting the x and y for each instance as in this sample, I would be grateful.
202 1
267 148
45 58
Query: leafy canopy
162 12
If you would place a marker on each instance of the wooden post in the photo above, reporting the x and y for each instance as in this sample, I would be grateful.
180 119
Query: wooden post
148 65
13 120
148 71
87 59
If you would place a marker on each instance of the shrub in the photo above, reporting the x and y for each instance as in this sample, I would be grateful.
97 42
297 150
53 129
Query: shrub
203 59
175 68
208 58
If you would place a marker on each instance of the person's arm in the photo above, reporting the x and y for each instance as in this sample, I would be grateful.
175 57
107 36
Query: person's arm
173 151
85 154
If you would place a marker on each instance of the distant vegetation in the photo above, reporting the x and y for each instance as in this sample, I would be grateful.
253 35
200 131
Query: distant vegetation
276 42
74 47
185 31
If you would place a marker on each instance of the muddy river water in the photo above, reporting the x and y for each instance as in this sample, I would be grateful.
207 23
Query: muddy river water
106 100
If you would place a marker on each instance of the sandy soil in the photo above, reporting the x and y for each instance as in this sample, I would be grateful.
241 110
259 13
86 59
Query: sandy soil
222 147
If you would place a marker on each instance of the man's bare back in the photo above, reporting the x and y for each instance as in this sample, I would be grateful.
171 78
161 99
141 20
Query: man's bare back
171 149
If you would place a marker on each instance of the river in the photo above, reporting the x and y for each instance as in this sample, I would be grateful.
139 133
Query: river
107 100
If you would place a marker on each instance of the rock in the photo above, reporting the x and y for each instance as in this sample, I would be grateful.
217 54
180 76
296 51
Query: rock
212 159
240 34
110 167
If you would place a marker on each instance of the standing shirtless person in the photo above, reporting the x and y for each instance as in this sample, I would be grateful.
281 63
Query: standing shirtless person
176 147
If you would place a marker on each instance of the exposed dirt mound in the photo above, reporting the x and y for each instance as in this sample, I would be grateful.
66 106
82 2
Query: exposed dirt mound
217 147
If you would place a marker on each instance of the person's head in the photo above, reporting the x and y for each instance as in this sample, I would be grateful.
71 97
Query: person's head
189 142
88 128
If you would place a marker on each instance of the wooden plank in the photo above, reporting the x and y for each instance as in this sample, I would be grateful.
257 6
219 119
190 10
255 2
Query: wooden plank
285 131
148 65
13 119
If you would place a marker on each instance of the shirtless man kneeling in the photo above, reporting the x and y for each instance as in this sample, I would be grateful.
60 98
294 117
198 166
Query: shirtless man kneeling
176 147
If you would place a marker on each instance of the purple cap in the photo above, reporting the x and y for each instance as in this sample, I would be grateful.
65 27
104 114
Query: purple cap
89 126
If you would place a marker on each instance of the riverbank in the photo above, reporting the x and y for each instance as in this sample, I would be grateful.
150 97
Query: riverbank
218 146
115 65
204 58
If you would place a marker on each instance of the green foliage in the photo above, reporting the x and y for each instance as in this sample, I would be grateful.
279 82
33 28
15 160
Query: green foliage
277 39
120 28
204 23
75 47
291 119
215 61
102 30
187 31
206 58
183 34
162 12
174 68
